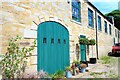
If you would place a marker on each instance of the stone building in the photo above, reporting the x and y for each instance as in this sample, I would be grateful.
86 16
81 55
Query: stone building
57 26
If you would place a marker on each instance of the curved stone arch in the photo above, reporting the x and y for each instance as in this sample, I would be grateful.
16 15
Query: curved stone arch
55 19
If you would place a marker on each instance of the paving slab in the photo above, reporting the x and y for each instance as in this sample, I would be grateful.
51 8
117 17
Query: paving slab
95 68
87 76
99 70
0 77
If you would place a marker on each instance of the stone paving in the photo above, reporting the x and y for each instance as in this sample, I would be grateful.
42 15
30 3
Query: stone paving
86 74
97 70
0 76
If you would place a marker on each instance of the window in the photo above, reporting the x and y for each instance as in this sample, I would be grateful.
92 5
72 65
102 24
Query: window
58 41
110 31
64 41
99 23
90 18
105 24
44 40
76 10
52 41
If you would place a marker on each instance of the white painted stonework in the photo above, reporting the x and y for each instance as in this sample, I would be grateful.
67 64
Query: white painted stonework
34 27
18 8
35 52
30 33
33 60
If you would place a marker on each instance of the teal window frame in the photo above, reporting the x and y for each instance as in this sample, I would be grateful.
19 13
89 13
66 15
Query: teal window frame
90 18
99 23
110 30
105 25
76 10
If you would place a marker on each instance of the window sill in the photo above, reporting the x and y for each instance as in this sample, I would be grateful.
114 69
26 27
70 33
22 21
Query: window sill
76 22
91 27
110 34
99 30
106 33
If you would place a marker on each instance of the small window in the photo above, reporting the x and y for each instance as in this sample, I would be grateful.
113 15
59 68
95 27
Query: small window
64 41
44 40
105 24
99 23
52 41
76 10
58 41
90 18
110 30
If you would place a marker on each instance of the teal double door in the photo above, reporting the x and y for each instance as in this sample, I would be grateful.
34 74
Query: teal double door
52 47
82 50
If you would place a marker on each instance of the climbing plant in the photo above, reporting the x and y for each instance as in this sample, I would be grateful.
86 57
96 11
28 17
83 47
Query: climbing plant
14 61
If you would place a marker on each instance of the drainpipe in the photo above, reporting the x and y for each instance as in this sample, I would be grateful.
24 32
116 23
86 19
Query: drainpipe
113 29
96 34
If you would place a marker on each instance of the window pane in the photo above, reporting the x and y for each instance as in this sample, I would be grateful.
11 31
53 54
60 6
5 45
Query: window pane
64 41
115 32
110 29
76 10
105 24
52 41
44 40
99 23
90 17
58 41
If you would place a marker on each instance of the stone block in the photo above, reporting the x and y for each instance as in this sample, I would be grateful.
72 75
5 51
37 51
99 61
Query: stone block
30 33
33 27
33 60
34 52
